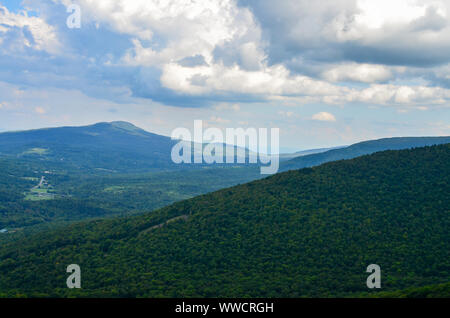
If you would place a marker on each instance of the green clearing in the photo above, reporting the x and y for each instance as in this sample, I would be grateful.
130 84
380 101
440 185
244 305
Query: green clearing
43 191
35 151
30 178
114 189
38 194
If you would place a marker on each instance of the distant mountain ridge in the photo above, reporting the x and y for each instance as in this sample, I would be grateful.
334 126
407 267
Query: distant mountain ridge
117 146
288 156
360 149
122 147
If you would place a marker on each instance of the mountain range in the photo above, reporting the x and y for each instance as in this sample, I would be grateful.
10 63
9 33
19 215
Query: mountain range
111 169
303 233
362 148
121 147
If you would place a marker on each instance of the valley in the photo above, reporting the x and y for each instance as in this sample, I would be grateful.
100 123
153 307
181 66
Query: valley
303 233
45 181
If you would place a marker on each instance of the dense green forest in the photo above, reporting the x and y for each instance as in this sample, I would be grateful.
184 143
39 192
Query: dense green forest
303 233
431 291
82 196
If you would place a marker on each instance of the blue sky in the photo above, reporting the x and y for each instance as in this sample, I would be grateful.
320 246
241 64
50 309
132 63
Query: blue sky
326 74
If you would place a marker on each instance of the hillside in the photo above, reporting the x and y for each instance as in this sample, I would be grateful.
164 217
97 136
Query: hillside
360 149
309 232
432 291
115 146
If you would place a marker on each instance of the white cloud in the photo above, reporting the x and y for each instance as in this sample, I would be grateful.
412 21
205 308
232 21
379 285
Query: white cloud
324 116
270 81
388 94
43 36
365 73
187 28
376 14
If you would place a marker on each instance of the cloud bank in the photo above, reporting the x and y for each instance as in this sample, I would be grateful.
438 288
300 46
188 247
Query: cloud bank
199 53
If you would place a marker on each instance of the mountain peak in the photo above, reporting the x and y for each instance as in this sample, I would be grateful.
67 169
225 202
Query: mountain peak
122 125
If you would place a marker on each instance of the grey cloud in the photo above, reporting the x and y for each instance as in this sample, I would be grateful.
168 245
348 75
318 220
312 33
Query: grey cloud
193 61
300 33
242 54
432 21
198 80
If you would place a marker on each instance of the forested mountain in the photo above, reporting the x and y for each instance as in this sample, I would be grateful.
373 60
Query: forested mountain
362 148
115 146
309 232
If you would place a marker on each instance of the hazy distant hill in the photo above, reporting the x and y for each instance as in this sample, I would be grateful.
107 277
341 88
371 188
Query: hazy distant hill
362 148
113 146
288 156
309 232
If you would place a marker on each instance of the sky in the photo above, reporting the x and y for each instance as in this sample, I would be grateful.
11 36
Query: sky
326 73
